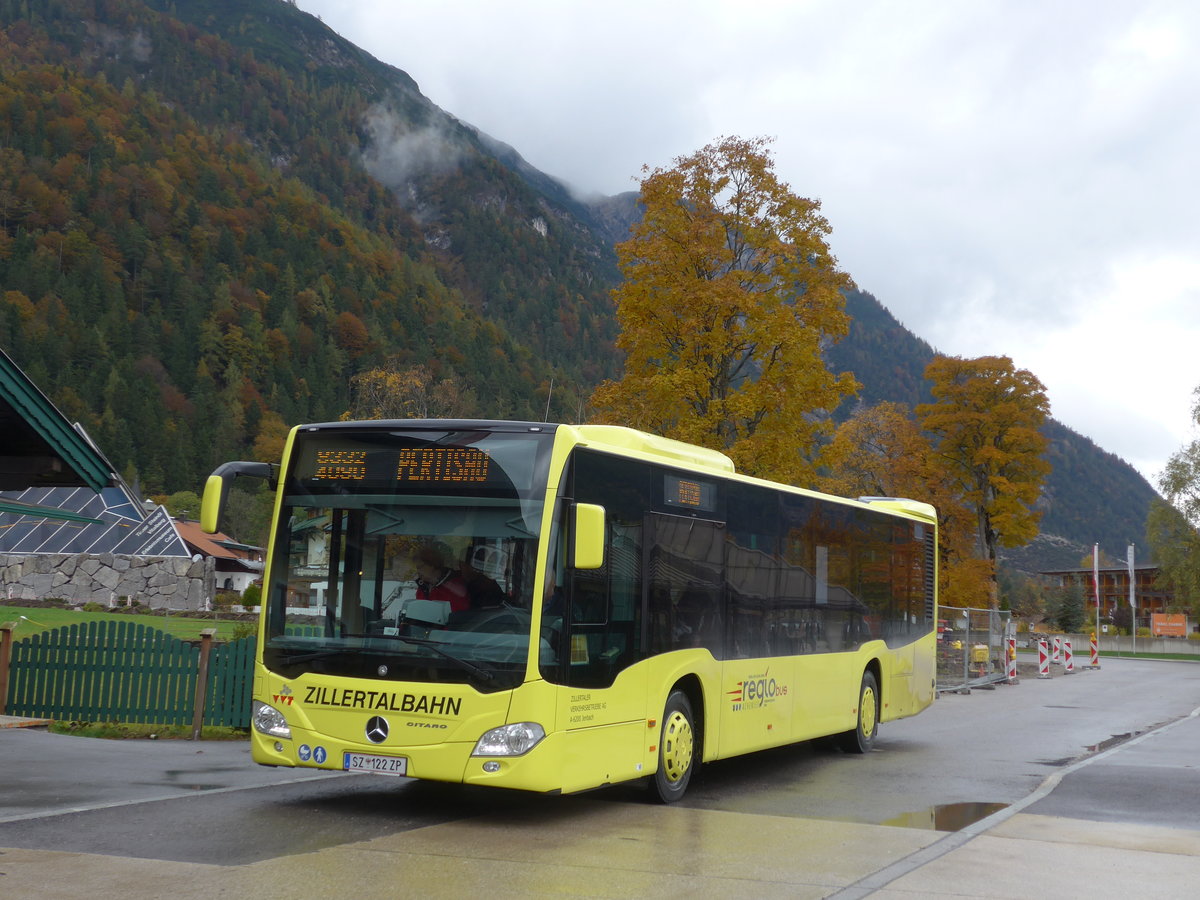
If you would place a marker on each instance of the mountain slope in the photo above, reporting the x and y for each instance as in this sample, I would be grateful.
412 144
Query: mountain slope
510 237
195 240
214 213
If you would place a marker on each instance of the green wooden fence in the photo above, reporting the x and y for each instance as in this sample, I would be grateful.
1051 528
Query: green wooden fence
127 672
230 683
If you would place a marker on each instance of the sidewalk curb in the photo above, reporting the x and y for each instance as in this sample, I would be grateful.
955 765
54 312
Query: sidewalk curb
19 722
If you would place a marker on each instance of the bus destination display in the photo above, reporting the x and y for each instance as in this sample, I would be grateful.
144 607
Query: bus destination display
688 493
411 465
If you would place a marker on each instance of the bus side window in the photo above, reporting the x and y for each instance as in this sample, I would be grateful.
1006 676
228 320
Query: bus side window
756 575
589 602
684 579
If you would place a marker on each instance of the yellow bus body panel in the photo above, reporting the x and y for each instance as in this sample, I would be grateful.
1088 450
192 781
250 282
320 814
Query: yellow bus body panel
912 684
594 736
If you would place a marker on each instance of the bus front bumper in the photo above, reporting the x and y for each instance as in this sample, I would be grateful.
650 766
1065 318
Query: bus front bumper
540 769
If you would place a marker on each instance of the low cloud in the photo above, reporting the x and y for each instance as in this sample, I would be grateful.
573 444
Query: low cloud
396 154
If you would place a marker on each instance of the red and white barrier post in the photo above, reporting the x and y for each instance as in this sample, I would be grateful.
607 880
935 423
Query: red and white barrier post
1095 663
1068 660
1043 660
1057 655
1010 674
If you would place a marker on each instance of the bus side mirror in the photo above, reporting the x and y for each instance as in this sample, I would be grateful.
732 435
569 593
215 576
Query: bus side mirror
588 528
216 489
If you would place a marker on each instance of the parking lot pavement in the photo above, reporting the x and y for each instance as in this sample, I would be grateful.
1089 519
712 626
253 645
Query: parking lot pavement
43 773
1119 824
627 850
1054 843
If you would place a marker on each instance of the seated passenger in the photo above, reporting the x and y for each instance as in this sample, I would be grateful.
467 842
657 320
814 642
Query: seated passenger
483 592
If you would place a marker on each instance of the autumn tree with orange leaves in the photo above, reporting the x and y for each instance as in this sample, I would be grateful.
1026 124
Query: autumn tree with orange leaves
881 451
729 292
410 392
985 421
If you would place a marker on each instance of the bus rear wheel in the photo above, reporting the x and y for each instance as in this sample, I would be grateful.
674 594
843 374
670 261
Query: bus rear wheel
676 749
861 738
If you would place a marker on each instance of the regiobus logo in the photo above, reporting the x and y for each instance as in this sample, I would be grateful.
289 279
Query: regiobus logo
756 691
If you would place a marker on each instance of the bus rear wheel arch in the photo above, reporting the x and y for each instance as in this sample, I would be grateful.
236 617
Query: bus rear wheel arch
861 738
678 748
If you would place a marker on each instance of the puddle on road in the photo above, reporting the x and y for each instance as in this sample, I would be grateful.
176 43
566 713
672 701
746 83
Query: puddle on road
1112 741
1057 763
1109 743
1106 744
946 816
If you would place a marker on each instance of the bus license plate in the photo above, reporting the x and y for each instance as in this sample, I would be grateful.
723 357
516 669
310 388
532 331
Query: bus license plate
375 765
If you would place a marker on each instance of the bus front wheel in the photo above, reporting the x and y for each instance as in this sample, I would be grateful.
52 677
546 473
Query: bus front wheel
861 738
676 749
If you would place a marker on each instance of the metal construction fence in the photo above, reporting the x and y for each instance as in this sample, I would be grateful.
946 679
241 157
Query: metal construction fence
972 647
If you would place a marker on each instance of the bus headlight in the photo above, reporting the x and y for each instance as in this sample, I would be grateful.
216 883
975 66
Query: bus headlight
269 720
509 740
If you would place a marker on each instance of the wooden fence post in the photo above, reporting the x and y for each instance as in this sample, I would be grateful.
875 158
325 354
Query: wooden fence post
206 642
6 638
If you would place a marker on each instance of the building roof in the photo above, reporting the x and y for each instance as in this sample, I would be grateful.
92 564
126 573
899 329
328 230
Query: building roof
41 447
218 546
59 492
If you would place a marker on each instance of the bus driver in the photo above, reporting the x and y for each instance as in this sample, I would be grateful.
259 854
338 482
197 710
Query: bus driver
437 581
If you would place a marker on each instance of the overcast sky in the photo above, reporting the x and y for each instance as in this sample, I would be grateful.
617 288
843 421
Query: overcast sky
1016 177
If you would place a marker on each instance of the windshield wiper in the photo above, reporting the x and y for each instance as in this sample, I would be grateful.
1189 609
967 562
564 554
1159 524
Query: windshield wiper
435 646
518 525
311 655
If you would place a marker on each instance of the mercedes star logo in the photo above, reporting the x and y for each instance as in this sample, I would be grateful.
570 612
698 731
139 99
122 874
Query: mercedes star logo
377 729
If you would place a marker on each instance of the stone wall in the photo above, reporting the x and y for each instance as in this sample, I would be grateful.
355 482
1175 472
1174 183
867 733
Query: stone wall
174 582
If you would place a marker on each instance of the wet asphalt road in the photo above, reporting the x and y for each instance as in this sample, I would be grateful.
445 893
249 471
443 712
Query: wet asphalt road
208 803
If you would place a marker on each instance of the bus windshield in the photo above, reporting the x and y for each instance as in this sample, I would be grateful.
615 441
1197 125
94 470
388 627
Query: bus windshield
408 555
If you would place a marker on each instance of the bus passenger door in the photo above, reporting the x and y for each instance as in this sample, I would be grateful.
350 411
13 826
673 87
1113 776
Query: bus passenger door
602 705
683 612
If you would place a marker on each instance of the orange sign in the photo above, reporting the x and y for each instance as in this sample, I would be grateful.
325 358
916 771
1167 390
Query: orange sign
1168 625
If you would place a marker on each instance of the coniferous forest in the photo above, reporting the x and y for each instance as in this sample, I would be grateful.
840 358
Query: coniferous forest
193 250
215 213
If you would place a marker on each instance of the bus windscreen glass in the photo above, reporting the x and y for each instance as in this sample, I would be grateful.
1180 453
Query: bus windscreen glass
408 555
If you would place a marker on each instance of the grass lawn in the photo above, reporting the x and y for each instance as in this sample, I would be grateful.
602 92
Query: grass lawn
124 731
32 621
1082 659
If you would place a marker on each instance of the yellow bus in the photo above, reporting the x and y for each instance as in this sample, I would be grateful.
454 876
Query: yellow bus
556 608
